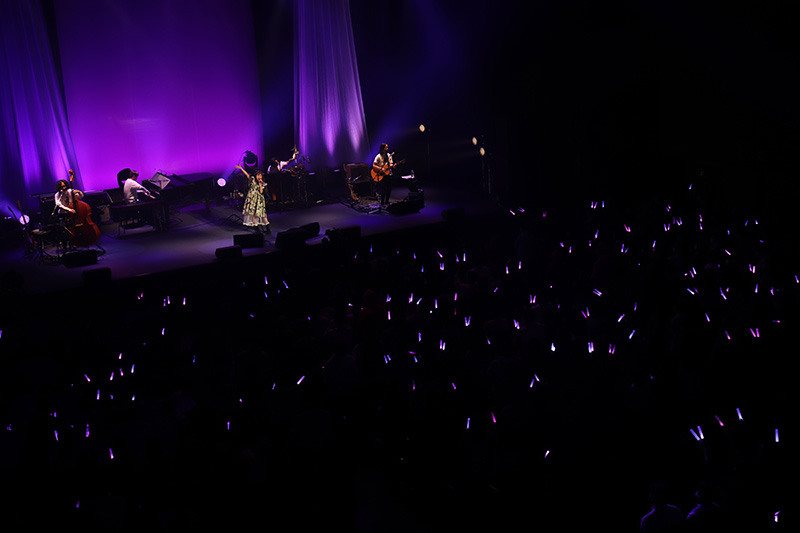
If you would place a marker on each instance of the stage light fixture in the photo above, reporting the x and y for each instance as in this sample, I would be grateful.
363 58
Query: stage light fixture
250 159
221 182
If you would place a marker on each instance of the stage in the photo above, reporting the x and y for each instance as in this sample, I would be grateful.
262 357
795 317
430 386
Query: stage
195 233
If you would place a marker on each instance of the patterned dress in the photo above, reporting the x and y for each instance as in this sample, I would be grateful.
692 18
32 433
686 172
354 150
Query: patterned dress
255 207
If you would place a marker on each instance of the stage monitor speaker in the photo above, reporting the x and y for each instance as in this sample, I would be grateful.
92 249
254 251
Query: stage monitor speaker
79 258
249 240
310 230
229 252
291 239
406 207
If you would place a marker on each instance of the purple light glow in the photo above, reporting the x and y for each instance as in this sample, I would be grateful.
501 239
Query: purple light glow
163 99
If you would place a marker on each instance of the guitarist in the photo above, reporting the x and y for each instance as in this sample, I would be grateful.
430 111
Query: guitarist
382 167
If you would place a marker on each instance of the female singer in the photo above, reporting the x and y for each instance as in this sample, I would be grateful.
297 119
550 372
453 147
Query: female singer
255 206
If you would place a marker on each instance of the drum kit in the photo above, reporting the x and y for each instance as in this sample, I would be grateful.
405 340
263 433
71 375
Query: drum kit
290 185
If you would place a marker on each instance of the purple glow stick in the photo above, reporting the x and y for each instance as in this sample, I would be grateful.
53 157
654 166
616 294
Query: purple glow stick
441 267
488 341
739 414
467 423
519 265
621 317
87 431
727 335
598 293
133 398
454 385
419 337
631 335
494 420
700 431
690 291
229 426
56 434
722 294
776 435
87 378
112 377
695 435
413 385
611 349
162 330
467 320
299 381
184 300
506 269
516 324
546 454
111 453
720 421
388 315
98 394
77 505
707 319
552 347
533 298
591 347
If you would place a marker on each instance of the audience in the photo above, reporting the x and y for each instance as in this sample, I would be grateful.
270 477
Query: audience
534 370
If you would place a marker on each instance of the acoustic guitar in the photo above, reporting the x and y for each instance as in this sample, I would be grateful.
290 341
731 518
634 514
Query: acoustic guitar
378 175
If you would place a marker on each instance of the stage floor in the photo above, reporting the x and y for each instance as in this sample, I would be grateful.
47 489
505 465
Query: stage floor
195 233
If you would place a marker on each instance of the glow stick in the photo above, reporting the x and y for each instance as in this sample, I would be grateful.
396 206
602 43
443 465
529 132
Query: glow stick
467 423
441 267
87 378
727 335
111 453
98 394
419 337
631 335
552 347
519 265
87 430
454 385
700 431
162 330
739 414
720 421
776 435
133 398
707 319
112 377
494 420
388 315
532 298
516 324
413 385
722 294
598 293
695 435
184 300
229 426
56 433
611 349
756 288
621 317
467 320
299 381
591 347
546 454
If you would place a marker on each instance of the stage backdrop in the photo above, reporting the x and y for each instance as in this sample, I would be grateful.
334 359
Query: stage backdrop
155 85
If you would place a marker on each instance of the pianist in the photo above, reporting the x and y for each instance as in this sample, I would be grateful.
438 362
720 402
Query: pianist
131 189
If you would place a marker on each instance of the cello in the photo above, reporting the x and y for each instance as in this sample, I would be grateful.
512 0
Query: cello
84 231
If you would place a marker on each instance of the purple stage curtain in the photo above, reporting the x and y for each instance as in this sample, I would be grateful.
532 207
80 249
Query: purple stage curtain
159 85
329 111
36 148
